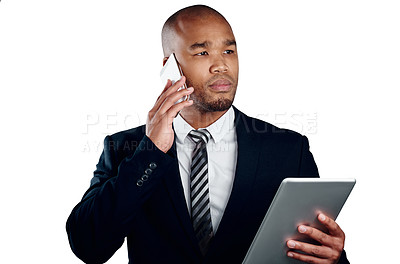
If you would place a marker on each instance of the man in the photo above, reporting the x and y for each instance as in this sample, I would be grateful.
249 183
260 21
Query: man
193 185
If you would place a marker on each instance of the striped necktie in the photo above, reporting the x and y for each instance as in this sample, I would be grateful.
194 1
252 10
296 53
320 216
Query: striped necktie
201 216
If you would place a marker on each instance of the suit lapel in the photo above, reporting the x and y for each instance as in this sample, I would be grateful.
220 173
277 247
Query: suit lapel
246 166
247 162
174 187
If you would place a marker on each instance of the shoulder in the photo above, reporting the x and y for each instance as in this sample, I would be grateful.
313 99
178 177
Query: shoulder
126 140
265 131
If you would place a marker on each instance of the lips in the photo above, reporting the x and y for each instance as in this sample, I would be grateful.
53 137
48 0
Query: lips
222 85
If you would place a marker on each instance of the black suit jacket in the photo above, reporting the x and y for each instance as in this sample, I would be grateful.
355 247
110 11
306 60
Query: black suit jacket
154 216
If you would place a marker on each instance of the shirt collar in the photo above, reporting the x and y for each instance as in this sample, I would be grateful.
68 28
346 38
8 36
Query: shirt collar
218 129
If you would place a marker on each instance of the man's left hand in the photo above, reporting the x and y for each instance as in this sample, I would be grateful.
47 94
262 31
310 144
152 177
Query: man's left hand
331 247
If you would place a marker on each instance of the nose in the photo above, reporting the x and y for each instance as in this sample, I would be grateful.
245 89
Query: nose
219 66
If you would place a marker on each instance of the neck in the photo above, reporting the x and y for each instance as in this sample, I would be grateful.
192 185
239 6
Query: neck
199 119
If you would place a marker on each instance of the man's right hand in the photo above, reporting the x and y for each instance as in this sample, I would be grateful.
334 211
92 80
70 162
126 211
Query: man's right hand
160 117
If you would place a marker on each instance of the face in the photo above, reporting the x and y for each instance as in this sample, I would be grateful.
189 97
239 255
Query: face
206 51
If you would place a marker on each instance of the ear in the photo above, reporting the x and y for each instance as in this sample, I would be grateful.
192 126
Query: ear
164 60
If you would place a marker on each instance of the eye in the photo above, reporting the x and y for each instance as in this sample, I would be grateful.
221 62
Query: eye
229 51
202 53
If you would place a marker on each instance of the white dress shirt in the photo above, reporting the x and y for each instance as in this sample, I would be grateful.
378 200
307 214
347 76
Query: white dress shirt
222 156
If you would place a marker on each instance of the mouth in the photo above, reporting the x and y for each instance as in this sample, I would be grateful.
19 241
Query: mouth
221 85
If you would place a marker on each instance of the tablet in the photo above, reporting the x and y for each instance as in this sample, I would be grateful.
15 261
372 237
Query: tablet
297 201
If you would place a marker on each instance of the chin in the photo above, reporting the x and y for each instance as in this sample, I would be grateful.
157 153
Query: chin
222 104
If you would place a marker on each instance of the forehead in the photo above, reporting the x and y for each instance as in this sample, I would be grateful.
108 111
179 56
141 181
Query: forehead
212 29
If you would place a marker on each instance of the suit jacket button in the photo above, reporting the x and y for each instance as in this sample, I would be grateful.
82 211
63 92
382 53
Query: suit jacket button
148 171
145 177
153 165
139 183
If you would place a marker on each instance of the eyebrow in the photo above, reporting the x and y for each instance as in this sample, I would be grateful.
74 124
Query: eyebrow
230 42
197 45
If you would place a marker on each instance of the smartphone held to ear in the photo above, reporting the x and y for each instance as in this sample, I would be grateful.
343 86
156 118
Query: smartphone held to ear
173 72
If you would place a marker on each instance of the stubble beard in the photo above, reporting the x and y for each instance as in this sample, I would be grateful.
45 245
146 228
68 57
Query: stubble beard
205 103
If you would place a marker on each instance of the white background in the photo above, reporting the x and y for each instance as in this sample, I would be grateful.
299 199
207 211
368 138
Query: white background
74 71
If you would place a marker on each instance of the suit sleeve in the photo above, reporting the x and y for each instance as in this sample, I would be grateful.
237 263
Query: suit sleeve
98 225
308 168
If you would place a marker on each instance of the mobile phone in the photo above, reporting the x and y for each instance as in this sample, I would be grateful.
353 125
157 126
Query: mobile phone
173 71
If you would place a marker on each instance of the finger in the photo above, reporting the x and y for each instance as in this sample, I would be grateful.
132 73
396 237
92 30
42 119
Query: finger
172 99
316 234
168 90
333 228
168 118
306 258
174 110
162 96
168 103
318 251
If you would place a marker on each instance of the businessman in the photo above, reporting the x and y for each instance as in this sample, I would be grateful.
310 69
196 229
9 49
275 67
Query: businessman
194 183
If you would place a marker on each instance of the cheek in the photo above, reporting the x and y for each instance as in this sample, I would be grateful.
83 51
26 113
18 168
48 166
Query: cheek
195 67
195 77
234 66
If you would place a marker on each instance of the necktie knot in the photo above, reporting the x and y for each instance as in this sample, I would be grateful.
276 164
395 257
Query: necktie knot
200 136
